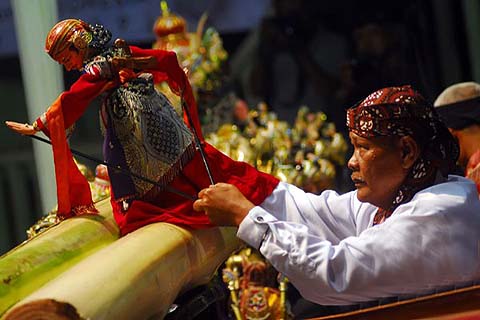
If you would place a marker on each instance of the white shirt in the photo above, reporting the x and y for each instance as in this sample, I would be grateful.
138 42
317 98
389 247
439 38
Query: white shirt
329 249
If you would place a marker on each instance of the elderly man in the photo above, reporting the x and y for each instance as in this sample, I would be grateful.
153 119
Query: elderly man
409 228
459 108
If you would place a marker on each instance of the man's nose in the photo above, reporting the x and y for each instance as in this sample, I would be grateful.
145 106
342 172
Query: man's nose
352 163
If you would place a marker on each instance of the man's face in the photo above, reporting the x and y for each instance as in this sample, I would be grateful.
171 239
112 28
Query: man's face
463 158
377 171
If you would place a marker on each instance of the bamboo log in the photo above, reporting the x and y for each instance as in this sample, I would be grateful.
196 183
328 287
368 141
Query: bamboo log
38 260
135 277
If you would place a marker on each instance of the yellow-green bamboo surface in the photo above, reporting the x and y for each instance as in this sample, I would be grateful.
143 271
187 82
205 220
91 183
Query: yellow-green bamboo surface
137 276
30 265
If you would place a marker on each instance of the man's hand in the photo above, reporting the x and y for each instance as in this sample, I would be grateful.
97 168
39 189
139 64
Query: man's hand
22 128
224 204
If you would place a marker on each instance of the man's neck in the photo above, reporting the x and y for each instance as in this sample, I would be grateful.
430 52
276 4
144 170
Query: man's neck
471 140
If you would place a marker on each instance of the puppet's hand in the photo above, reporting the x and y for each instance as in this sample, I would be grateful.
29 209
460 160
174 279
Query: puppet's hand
22 128
119 63
126 74
224 204
134 63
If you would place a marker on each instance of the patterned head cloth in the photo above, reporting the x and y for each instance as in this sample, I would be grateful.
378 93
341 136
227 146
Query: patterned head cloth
401 111
65 33
77 33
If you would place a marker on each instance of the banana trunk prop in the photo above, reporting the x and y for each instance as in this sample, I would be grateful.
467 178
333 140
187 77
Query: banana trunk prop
38 260
135 277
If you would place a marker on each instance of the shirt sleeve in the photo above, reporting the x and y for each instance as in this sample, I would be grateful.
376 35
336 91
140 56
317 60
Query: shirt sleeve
329 263
334 215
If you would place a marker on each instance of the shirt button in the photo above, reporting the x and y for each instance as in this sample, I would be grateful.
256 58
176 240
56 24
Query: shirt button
259 219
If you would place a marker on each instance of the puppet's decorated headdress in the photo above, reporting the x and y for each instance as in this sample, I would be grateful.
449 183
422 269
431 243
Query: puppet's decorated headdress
76 33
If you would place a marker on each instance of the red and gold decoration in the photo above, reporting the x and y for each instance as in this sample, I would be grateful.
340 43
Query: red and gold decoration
66 32
256 293
200 53
170 31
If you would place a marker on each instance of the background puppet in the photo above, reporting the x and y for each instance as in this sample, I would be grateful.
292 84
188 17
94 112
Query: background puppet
142 132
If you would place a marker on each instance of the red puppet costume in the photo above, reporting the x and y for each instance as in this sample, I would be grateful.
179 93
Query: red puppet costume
143 133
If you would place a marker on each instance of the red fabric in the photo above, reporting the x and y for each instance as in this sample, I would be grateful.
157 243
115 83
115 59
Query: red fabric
68 177
171 208
41 126
73 190
77 99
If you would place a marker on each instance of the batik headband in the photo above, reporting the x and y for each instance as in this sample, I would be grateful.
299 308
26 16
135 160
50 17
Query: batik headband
460 114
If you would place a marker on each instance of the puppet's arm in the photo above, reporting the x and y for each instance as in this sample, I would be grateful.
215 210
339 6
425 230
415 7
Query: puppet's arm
70 105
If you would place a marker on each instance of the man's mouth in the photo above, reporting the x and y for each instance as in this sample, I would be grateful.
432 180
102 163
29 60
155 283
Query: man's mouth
358 181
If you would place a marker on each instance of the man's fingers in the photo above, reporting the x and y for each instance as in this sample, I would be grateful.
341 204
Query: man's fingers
199 205
201 194
220 185
207 191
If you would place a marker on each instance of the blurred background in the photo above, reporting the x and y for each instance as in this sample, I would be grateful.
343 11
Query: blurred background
326 55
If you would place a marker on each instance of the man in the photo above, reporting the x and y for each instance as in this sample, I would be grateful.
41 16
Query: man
459 108
409 228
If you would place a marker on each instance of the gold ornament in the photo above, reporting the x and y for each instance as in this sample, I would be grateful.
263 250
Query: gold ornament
255 292
100 189
304 154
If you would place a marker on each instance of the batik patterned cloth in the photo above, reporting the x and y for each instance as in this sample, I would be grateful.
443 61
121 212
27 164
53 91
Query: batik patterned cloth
145 135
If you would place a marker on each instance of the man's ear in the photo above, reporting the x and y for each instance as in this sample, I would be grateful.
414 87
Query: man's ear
410 151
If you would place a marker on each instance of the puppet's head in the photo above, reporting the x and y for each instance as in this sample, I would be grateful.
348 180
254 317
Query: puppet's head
72 42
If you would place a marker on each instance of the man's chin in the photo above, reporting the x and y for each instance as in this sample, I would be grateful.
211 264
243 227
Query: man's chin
361 196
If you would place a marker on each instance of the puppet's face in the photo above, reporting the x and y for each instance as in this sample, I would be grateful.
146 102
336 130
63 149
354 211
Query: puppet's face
70 58
67 43
377 169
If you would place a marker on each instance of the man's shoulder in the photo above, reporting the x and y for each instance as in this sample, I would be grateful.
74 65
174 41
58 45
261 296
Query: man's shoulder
455 191
454 184
456 198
